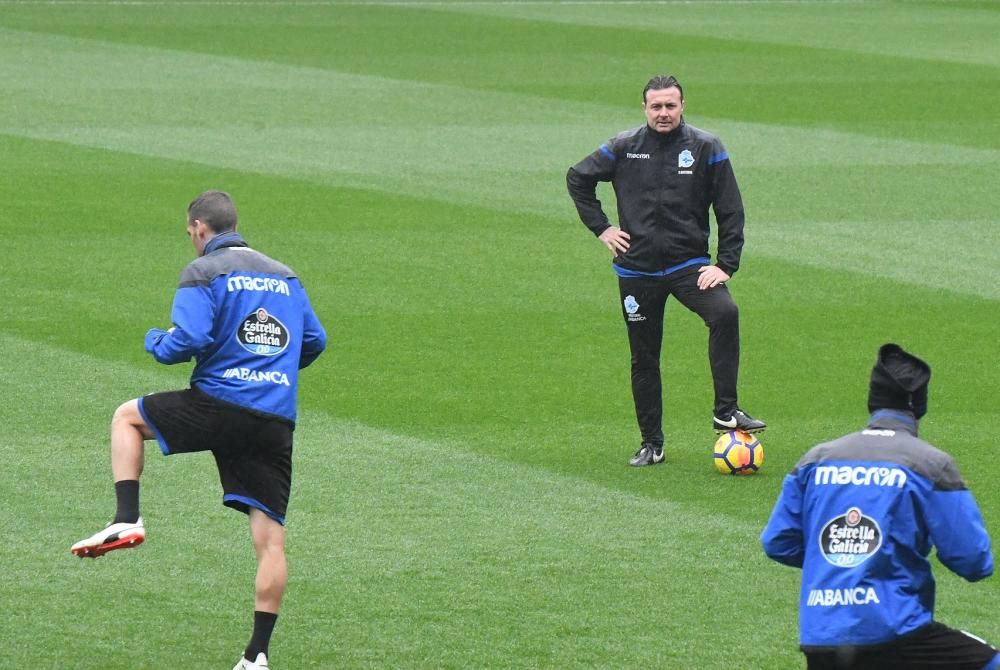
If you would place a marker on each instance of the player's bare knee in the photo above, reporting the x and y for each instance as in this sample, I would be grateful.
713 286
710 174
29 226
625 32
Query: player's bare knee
126 414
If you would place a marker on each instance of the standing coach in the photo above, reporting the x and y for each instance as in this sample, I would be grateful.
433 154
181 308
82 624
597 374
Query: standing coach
666 174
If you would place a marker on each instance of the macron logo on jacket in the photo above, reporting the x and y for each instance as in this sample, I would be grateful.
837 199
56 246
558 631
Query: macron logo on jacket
860 475
242 283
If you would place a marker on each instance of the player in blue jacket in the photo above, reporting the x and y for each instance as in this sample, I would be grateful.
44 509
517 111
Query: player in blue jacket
859 515
247 322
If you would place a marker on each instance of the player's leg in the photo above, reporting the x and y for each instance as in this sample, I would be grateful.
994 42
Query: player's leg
272 567
643 304
180 421
718 310
128 433
272 576
256 474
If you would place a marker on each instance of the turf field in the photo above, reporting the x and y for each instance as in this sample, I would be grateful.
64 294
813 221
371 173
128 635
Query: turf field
461 496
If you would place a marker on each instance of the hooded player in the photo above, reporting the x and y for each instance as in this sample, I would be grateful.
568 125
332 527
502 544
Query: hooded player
859 515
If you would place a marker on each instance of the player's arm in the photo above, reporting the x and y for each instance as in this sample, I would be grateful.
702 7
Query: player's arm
313 335
956 528
727 203
782 538
582 180
193 315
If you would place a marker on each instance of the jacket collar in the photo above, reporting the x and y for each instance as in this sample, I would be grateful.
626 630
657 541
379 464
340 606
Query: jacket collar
893 419
666 137
222 240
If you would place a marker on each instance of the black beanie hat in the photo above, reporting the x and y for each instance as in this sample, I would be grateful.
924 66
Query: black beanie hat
899 381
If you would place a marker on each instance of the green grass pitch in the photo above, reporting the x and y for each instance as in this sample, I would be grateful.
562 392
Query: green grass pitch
461 497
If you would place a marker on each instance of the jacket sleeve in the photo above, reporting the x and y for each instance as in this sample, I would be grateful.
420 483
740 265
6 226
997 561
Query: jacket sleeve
957 530
582 180
193 315
782 537
727 203
313 336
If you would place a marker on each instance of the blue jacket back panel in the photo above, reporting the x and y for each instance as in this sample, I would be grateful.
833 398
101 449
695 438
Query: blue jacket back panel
859 515
248 323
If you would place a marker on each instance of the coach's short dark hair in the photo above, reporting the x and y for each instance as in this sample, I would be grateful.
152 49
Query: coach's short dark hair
660 82
215 209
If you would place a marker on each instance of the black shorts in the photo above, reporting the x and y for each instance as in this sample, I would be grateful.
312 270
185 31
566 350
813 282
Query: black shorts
933 647
253 452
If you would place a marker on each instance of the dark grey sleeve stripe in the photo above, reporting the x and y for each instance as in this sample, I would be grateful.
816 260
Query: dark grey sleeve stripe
950 486
189 283
195 274
948 477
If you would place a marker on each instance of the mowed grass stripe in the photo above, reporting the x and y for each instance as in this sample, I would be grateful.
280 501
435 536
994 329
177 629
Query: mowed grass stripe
405 552
505 152
736 78
954 32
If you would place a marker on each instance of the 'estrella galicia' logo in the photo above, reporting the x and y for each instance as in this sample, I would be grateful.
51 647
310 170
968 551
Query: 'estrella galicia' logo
685 159
849 540
261 333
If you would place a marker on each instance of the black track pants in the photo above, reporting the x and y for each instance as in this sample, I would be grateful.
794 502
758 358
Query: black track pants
643 303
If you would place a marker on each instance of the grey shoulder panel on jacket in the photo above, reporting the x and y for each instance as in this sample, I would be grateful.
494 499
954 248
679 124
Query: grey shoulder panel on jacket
897 448
201 271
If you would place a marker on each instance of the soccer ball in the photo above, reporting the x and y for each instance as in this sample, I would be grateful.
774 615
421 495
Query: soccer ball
738 453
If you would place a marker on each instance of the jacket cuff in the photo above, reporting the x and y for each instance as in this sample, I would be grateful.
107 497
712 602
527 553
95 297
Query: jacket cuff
153 338
599 230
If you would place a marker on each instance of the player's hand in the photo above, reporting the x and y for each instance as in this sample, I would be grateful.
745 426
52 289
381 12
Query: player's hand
615 239
711 276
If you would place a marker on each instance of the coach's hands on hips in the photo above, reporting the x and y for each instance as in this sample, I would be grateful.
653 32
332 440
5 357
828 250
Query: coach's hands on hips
615 239
711 276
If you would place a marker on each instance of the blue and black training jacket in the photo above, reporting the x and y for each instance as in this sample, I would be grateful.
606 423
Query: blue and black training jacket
665 184
247 321
860 515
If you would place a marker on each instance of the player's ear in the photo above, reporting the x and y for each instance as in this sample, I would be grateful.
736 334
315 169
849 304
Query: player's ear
200 229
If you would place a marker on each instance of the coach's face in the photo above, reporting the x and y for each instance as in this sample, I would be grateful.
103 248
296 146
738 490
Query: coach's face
664 108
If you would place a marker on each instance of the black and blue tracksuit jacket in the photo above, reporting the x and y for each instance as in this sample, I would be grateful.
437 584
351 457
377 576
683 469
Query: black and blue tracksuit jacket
665 184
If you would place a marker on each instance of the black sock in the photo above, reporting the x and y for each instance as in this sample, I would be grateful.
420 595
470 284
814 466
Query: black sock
263 624
127 492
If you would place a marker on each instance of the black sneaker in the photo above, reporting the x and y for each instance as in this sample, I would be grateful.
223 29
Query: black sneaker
738 420
647 455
